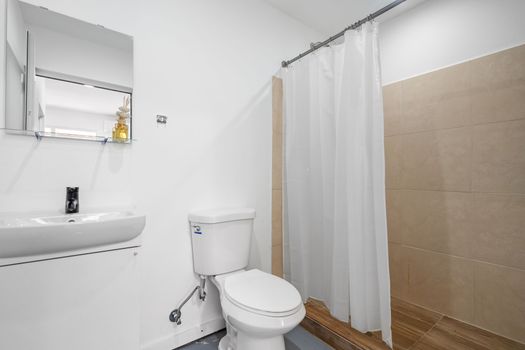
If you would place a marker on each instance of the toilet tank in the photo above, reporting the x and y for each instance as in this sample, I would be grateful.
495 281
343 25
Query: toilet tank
221 240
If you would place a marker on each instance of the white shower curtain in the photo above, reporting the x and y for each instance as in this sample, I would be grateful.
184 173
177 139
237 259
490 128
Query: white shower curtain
334 201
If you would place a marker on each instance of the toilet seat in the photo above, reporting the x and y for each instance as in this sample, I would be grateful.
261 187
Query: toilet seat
262 293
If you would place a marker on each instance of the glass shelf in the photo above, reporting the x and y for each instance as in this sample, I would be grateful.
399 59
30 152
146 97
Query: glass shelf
42 135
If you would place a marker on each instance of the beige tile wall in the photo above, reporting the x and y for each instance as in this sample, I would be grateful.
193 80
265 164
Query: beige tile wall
277 176
455 177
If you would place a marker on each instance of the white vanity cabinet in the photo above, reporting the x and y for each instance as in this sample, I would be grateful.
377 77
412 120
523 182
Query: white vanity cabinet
85 302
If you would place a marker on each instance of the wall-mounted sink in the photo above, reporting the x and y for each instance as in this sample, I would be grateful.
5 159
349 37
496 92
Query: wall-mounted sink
26 236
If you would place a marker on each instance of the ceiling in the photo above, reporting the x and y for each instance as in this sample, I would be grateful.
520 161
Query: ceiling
331 16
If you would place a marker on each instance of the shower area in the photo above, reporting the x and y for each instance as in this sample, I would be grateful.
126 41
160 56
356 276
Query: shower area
398 211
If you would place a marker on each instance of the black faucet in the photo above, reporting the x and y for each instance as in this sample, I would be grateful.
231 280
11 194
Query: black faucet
72 203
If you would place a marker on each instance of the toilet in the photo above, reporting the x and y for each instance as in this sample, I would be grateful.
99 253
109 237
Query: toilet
259 308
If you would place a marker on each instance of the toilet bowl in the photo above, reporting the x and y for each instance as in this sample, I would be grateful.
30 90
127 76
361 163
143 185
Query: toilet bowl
259 309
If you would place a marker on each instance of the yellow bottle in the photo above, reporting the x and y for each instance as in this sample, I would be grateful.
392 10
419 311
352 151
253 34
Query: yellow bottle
120 131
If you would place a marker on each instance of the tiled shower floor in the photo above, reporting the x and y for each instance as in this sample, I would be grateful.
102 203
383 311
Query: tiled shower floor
413 328
297 339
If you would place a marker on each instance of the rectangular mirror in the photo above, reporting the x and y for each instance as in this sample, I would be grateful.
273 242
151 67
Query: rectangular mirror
66 77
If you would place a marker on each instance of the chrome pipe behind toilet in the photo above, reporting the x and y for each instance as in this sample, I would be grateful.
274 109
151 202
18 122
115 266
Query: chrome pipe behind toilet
175 315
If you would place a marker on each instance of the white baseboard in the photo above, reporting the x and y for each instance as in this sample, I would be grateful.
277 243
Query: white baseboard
173 341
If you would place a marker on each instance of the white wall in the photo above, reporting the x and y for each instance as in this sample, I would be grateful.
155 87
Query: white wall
15 62
207 65
14 102
16 31
3 70
440 33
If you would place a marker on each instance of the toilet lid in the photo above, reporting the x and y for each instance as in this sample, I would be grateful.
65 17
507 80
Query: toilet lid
262 292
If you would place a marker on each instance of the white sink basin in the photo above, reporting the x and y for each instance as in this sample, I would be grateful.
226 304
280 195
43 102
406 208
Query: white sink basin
26 236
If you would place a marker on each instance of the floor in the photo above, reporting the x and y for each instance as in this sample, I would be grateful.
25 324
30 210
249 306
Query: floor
297 339
206 343
413 328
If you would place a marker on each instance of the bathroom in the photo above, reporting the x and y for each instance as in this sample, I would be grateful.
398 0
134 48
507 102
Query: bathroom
209 131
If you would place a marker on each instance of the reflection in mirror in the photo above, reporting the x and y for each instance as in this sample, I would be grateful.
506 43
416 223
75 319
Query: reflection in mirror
75 109
65 76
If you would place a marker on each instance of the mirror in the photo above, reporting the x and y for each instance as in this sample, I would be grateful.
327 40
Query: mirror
66 77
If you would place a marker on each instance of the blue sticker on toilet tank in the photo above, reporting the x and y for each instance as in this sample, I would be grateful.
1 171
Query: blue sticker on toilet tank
197 230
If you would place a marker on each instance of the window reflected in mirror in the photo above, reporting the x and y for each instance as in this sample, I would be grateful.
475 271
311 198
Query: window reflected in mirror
75 109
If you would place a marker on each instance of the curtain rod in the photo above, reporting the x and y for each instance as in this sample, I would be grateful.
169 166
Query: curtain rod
356 25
